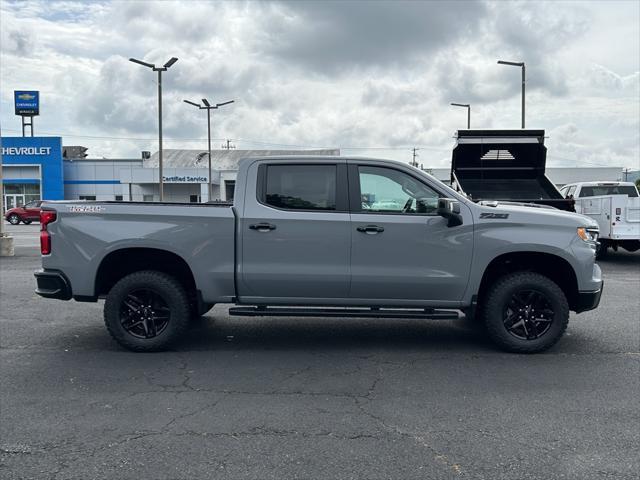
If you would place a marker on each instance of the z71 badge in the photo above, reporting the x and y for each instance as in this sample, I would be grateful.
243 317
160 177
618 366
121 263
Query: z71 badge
86 208
494 215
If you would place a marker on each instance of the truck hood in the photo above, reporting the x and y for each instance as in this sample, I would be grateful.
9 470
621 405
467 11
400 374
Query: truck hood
552 216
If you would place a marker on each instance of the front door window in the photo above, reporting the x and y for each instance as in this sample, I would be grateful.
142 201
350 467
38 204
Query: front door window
385 190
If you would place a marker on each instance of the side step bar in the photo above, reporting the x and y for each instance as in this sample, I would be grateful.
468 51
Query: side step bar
425 313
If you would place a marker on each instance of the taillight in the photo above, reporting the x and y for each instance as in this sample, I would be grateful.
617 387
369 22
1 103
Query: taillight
46 217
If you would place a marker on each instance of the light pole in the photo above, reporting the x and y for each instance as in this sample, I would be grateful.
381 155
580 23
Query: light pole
518 64
468 107
161 69
208 107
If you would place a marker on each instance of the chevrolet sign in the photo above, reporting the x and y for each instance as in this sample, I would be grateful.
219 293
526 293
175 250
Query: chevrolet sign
27 103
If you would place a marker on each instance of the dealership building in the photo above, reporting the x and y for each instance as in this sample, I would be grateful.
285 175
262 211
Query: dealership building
36 168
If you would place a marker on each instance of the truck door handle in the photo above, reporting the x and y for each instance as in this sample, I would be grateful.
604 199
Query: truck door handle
262 227
370 229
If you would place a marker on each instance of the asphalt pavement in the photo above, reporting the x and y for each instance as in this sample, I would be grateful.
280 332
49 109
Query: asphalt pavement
284 398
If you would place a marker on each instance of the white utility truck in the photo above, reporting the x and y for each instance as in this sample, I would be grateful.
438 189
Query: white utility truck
616 208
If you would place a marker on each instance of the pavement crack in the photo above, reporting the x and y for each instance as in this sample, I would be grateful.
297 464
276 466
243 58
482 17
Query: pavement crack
419 439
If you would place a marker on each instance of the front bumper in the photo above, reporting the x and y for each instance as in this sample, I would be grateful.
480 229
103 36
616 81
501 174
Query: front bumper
589 300
52 284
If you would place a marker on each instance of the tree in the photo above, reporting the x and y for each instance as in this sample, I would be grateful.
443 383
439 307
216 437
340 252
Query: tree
638 183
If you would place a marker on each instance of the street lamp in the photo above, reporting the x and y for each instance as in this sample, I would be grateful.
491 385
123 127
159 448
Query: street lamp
518 64
208 107
161 69
468 107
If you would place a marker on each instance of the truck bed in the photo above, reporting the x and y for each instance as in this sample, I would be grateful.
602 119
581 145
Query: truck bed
86 232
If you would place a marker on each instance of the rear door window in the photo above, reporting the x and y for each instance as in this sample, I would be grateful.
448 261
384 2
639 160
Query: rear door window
301 187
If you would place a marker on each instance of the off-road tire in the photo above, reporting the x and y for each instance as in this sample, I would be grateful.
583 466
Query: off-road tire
172 293
499 296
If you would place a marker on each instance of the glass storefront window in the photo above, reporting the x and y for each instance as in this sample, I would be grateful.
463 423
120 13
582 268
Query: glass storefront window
31 189
13 189
17 194
22 189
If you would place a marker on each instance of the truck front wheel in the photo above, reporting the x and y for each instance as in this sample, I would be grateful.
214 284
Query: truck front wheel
525 312
147 311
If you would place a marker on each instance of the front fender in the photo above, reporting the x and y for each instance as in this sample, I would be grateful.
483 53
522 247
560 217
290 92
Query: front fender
494 240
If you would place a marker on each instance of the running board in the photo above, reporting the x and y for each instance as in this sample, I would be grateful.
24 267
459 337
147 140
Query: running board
424 313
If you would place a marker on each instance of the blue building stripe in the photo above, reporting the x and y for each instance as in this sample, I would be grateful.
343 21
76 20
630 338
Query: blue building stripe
20 180
92 182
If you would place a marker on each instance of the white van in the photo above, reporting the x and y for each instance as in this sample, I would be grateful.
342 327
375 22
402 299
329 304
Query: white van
616 208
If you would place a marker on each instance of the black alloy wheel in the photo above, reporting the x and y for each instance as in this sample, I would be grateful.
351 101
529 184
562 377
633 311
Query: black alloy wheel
147 311
144 313
525 312
528 315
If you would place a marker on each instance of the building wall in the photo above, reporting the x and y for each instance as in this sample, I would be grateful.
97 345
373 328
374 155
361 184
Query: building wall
36 154
99 178
173 192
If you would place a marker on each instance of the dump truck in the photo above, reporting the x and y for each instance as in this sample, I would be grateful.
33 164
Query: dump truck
504 166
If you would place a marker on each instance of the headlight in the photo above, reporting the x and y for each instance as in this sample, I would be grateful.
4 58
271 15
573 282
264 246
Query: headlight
588 234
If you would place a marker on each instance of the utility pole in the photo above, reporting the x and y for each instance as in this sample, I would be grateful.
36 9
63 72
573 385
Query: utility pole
164 68
414 162
227 145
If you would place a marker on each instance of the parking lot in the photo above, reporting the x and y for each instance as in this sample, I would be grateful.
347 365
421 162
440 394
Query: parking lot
314 398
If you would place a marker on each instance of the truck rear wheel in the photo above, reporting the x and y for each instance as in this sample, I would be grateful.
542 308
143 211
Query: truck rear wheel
147 311
525 312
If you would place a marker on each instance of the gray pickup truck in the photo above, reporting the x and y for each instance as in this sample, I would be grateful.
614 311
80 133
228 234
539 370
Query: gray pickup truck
324 236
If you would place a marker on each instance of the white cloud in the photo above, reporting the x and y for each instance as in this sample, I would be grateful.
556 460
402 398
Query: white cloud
379 74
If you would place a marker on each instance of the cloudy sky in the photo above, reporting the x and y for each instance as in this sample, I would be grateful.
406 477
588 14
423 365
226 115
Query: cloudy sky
372 78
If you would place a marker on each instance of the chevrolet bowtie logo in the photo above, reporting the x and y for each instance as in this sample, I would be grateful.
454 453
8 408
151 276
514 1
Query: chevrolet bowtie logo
26 96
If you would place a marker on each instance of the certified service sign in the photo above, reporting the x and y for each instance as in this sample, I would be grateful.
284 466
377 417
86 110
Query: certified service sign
27 102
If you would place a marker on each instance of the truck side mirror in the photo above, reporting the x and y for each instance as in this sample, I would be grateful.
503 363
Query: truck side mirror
450 209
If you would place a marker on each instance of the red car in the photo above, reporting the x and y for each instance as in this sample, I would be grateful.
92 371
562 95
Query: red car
25 214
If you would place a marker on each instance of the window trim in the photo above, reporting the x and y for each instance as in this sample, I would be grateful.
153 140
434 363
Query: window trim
342 202
355 194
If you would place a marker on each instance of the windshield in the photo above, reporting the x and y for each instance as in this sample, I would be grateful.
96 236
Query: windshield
594 191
